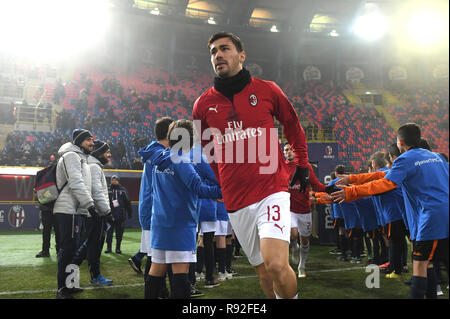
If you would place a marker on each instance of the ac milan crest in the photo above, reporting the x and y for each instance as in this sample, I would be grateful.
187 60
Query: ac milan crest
253 100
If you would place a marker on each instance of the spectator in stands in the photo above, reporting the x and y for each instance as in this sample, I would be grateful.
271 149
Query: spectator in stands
124 163
137 164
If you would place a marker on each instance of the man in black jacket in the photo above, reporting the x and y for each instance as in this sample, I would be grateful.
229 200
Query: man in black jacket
120 205
48 222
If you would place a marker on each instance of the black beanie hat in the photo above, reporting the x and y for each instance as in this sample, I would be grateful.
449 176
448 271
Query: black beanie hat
100 148
79 135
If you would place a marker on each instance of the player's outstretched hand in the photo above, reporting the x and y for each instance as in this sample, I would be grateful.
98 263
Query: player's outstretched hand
339 196
301 174
331 189
344 180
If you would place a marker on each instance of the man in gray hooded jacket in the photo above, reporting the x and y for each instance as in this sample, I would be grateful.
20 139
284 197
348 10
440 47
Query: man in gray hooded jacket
72 168
91 247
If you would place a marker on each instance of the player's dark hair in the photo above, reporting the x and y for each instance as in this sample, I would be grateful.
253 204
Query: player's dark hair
162 127
234 38
378 158
182 124
340 169
410 134
393 150
424 144
333 175
387 158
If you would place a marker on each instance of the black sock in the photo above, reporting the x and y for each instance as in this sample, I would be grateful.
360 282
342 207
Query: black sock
431 284
200 259
192 278
209 255
368 246
222 257
418 287
181 287
229 254
148 264
139 256
342 244
153 284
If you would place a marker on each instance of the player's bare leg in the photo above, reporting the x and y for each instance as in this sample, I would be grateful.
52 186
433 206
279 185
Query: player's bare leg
265 280
275 253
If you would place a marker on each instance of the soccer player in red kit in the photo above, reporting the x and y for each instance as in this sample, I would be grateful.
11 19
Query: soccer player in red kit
301 217
235 123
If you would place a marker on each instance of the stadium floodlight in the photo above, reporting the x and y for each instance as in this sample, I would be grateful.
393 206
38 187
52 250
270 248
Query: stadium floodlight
155 11
51 29
211 20
371 26
333 33
274 29
426 27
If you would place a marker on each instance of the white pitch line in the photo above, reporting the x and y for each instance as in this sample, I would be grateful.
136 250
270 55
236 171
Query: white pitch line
5 293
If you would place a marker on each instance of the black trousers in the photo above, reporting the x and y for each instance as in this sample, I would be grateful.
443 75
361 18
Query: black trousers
396 234
65 225
48 222
91 247
118 226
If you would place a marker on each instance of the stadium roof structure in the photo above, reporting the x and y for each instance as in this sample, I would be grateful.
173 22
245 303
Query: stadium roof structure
315 16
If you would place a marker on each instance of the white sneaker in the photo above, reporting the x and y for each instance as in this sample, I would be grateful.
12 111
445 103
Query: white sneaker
222 276
301 273
439 290
229 275
199 276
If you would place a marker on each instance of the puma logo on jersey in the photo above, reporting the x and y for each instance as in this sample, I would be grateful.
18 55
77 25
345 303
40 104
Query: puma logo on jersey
281 228
214 108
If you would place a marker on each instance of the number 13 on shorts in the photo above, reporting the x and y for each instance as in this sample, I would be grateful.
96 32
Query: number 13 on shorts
273 212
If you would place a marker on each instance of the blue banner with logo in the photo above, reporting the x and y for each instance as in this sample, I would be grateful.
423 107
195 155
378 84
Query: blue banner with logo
327 234
325 155
17 216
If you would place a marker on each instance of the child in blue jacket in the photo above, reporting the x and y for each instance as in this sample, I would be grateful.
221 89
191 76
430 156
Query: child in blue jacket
176 192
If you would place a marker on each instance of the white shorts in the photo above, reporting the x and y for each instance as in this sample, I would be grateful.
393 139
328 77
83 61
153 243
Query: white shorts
229 229
145 243
173 256
207 227
222 228
269 218
303 222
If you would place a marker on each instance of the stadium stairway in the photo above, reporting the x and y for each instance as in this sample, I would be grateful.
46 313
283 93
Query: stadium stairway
390 98
388 117
353 98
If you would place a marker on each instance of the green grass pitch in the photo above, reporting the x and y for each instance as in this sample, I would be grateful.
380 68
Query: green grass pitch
22 276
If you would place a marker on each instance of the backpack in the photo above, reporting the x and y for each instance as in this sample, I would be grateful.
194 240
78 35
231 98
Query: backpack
47 191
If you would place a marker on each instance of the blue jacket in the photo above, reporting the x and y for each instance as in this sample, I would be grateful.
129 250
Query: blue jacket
222 213
208 207
335 210
176 192
351 215
148 155
348 211
390 205
367 214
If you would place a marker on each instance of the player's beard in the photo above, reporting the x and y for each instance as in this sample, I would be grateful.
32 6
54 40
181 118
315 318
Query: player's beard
229 70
